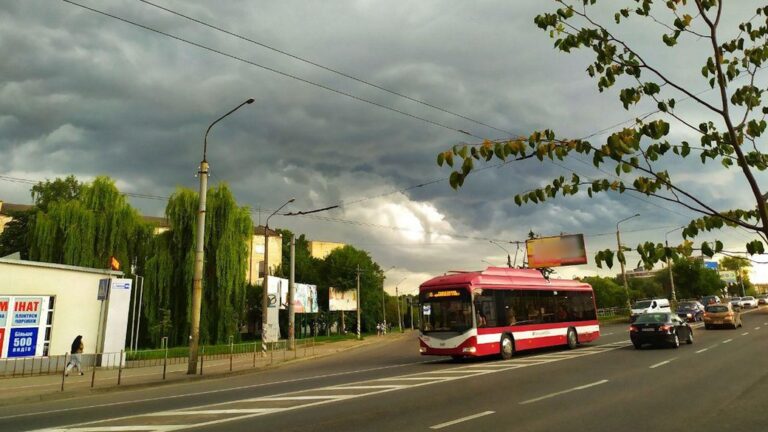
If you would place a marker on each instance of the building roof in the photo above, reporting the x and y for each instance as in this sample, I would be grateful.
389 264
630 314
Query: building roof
259 230
6 208
60 266
160 222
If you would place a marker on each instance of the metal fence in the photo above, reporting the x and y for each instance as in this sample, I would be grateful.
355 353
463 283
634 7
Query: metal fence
616 312
91 363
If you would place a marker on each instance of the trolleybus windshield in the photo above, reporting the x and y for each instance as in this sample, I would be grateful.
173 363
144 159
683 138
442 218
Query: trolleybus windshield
446 310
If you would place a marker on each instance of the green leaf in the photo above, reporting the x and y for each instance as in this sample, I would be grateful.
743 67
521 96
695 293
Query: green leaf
440 159
706 249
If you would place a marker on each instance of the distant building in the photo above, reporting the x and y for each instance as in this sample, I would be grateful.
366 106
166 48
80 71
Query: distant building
641 273
321 249
7 209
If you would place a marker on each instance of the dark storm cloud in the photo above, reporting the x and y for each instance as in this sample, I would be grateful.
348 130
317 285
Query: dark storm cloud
81 93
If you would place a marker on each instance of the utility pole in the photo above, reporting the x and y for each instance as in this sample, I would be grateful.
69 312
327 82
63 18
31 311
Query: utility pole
410 305
621 261
399 315
509 258
669 267
291 295
197 279
265 284
359 336
741 279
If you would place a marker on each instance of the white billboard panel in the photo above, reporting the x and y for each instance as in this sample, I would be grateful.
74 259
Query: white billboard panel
342 300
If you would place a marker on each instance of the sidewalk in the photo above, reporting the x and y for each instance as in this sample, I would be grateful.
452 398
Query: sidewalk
48 387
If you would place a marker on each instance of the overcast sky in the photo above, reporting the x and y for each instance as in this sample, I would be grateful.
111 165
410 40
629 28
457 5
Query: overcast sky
85 94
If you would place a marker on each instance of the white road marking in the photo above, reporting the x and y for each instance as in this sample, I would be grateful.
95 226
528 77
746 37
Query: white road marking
606 334
207 392
745 333
213 412
701 350
727 340
551 395
661 363
463 419
757 328
329 398
364 387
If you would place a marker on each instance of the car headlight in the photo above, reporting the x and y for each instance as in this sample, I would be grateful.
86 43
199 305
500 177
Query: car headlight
689 315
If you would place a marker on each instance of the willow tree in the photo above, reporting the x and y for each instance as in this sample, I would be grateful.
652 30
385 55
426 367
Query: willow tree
729 127
95 224
169 269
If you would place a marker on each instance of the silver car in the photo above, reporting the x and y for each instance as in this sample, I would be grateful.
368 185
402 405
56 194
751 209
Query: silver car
748 302
736 302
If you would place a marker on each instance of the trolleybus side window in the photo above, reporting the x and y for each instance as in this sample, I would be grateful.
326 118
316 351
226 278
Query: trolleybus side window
485 308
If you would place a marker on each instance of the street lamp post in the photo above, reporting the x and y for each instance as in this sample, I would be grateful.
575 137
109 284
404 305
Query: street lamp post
509 258
669 266
383 299
197 280
621 261
397 297
265 284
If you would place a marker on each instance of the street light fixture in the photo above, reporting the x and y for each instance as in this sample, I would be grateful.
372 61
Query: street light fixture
509 258
197 279
621 261
669 266
265 283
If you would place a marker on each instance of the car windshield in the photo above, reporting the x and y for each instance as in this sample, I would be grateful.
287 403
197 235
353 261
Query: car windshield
642 304
653 318
735 299
717 309
689 305
748 298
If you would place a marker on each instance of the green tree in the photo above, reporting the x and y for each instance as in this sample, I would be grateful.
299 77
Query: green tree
169 270
88 227
307 267
692 279
608 293
741 266
44 194
339 271
643 156
15 235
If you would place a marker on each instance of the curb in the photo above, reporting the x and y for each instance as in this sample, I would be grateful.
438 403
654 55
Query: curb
185 379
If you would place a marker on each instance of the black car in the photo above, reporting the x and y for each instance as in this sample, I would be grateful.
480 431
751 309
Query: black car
660 328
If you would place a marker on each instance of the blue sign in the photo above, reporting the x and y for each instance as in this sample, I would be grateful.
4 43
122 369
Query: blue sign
712 265
22 342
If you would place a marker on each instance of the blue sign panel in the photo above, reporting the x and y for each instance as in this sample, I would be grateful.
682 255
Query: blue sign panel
710 265
22 342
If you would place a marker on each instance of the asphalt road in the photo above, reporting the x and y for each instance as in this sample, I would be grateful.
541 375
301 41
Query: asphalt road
718 383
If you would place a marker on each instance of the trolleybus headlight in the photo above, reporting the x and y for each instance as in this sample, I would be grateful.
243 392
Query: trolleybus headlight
469 350
422 350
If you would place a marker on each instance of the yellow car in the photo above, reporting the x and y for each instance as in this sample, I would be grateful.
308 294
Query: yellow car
721 314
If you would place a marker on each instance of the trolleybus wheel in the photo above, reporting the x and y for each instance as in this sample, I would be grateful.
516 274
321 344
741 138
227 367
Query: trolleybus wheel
507 347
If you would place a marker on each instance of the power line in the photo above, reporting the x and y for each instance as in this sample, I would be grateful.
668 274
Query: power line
326 68
273 70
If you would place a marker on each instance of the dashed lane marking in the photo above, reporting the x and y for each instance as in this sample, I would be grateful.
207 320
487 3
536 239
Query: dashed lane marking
757 328
745 333
660 364
701 350
551 395
727 340
463 419
211 414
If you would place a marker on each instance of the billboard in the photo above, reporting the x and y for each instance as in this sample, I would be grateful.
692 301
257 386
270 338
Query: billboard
26 311
4 301
712 265
728 276
305 300
22 342
556 251
342 300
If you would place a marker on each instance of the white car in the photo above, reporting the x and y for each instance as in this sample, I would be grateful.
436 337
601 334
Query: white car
736 302
645 306
748 301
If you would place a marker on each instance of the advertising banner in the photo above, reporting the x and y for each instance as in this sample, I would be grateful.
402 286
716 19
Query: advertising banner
728 276
26 312
272 333
22 342
556 251
4 302
306 298
342 300
2 338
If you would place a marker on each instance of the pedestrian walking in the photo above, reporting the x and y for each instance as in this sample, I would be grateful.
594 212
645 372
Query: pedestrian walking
77 356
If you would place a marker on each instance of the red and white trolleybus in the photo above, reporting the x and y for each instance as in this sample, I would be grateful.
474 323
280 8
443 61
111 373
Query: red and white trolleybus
503 310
